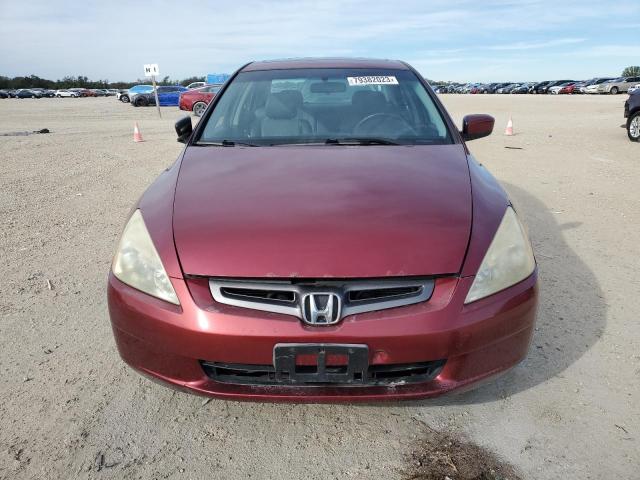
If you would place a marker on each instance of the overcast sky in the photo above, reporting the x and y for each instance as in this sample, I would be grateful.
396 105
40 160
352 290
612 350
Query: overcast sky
479 40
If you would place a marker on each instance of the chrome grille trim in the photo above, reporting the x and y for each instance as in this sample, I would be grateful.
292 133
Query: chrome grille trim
421 290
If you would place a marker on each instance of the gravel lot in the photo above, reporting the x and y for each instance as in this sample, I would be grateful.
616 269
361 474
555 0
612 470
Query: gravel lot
69 408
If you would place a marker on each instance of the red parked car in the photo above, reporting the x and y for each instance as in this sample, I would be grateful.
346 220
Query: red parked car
197 99
567 89
85 92
325 235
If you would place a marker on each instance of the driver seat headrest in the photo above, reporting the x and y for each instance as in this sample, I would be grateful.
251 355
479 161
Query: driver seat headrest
283 105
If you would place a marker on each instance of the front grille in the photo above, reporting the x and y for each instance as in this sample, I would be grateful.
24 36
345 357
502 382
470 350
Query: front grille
250 294
377 375
382 293
349 297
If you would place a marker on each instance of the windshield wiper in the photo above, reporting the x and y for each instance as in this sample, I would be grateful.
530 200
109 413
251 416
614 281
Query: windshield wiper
227 143
359 141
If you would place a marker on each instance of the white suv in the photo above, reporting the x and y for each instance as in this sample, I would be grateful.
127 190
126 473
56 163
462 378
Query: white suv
66 93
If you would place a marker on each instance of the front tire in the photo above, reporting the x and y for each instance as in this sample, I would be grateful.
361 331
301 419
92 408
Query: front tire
633 127
199 108
614 91
141 102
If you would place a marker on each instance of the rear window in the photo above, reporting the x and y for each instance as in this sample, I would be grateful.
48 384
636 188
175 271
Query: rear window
319 105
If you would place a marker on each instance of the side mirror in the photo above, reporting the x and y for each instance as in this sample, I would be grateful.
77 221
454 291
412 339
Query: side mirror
477 125
184 129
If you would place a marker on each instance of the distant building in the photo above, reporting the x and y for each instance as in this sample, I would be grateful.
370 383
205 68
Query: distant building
217 77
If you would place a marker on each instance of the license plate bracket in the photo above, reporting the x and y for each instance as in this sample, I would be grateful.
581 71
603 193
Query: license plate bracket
288 369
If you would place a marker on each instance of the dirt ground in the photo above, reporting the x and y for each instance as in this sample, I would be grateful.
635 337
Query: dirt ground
69 408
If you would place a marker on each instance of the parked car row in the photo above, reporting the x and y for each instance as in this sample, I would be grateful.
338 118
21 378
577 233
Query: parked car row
168 96
126 96
193 99
68 92
598 85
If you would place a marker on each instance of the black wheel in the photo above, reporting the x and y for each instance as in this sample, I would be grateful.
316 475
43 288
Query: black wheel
633 127
614 91
141 102
199 108
124 98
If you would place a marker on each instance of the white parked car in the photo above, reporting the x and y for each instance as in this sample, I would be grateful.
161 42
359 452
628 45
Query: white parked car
556 88
196 85
594 85
67 93
633 89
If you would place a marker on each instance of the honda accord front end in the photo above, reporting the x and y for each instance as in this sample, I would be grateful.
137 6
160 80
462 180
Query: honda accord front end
325 235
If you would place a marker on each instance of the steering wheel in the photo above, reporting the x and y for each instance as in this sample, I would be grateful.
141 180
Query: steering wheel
383 124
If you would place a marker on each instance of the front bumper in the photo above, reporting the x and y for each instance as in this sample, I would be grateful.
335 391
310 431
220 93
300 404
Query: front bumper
184 104
168 342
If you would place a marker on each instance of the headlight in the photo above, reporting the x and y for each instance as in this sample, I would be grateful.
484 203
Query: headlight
138 264
508 260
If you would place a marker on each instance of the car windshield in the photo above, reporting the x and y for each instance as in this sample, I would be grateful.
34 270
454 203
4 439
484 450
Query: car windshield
325 106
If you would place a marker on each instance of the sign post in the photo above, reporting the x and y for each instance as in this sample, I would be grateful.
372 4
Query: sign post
152 70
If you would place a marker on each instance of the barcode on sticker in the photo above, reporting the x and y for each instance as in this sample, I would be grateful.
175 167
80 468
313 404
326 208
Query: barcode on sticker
374 80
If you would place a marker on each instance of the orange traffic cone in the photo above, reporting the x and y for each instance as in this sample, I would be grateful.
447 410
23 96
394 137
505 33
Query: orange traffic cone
509 130
136 133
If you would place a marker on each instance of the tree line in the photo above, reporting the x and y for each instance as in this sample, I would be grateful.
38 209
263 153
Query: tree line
34 81
633 71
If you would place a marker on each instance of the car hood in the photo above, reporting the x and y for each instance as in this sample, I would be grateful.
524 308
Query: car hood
322 211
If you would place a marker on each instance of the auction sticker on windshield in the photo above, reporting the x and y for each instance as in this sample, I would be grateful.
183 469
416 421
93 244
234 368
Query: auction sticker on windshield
378 80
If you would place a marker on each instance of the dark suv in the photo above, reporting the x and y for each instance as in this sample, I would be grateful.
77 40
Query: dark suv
632 114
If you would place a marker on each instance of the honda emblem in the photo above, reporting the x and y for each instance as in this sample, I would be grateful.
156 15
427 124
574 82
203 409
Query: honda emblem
321 308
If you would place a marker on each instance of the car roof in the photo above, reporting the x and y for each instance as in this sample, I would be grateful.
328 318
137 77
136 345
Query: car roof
290 63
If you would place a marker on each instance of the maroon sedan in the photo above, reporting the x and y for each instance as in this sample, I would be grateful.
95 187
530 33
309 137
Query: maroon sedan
197 99
325 235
